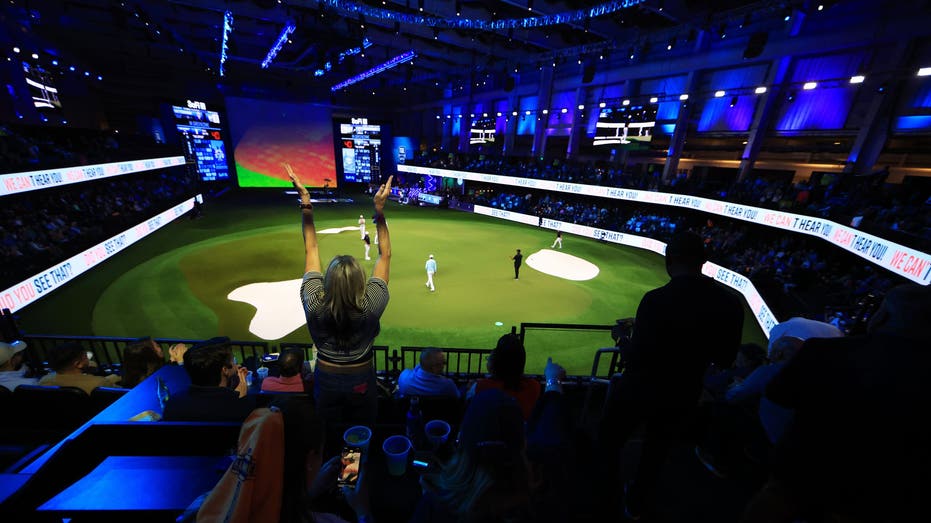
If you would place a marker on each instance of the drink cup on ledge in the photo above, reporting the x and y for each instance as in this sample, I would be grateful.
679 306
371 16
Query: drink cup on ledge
262 372
396 450
358 436
437 432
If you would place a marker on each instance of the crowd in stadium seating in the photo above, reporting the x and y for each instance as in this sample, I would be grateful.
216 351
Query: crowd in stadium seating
28 148
876 207
41 228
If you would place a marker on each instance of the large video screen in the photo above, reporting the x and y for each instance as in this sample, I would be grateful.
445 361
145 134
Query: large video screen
625 124
267 134
482 131
202 137
360 148
41 87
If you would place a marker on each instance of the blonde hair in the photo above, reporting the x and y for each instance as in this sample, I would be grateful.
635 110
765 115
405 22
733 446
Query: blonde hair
343 291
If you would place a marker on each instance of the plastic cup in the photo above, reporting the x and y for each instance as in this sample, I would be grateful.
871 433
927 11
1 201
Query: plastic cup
249 378
437 432
396 450
262 372
358 436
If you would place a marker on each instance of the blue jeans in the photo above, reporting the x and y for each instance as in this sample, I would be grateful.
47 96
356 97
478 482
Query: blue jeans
346 399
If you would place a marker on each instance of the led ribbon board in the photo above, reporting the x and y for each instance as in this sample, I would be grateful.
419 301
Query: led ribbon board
904 261
394 62
40 285
17 183
279 43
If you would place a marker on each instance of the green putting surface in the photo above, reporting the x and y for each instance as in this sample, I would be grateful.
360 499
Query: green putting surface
175 283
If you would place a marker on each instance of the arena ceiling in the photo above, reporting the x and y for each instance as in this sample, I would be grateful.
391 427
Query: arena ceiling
180 39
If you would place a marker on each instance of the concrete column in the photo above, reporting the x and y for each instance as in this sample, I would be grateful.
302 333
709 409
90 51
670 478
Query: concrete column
544 93
769 102
871 139
682 128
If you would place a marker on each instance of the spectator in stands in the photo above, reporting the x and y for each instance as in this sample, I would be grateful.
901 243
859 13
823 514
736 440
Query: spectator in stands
282 447
552 454
140 360
506 365
487 478
343 312
773 418
290 365
802 329
858 447
747 420
209 397
427 379
679 330
12 370
749 357
69 361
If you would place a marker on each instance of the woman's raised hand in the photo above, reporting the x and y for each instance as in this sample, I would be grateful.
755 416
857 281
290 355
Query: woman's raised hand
382 195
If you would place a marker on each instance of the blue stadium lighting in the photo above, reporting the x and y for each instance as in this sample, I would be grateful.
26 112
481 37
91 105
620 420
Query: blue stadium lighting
71 68
54 62
279 43
459 22
99 78
394 62
227 30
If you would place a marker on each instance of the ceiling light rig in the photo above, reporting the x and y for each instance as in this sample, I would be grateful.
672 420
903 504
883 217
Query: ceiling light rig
224 47
279 43
397 60
459 22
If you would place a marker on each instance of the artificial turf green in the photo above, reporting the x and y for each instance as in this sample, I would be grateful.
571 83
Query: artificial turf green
175 283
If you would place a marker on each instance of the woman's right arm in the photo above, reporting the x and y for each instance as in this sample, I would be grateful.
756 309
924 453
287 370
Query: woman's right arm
311 254
383 263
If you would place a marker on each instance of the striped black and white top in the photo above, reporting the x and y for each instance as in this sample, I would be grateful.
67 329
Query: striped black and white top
358 346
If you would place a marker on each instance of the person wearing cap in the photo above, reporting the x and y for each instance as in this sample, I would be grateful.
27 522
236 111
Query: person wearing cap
858 448
679 330
11 365
361 227
69 362
431 270
802 328
367 243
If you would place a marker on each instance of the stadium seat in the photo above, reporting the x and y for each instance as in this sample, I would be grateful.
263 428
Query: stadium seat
103 397
58 409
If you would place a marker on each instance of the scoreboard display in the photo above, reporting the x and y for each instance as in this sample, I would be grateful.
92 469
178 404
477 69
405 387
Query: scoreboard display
360 148
202 137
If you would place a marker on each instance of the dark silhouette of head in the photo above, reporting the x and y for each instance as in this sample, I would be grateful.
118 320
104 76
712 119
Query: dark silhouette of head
207 363
506 361
685 254
66 357
290 362
432 360
140 360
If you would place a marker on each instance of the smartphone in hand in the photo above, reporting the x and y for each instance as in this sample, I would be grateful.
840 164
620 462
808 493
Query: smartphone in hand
350 461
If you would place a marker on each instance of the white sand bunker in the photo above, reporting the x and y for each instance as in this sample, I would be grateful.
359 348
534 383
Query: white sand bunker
338 230
562 265
278 310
